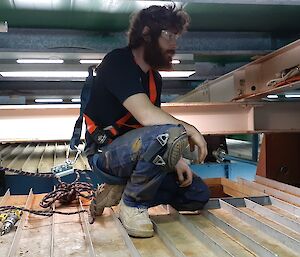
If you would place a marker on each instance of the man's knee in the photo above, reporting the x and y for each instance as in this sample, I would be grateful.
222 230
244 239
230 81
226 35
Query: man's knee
168 147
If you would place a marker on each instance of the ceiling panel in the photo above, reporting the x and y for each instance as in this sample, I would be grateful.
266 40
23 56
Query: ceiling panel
112 15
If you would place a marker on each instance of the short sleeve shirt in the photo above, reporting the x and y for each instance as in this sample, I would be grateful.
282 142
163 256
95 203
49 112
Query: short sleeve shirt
118 77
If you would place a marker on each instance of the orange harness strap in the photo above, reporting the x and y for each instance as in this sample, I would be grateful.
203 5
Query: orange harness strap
91 126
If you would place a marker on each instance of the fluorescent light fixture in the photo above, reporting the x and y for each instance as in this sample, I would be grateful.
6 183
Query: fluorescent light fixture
176 74
272 96
292 96
175 61
3 26
45 74
40 61
90 61
75 100
48 100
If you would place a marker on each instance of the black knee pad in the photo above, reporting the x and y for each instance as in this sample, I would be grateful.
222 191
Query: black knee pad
168 147
177 143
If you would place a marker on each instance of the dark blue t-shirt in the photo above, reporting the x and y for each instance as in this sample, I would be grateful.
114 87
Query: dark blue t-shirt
118 77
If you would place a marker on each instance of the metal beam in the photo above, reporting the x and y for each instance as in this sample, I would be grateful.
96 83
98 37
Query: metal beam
23 219
250 242
84 222
55 122
271 191
201 235
250 81
272 215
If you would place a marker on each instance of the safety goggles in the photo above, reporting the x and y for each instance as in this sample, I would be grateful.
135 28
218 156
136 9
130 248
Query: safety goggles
169 36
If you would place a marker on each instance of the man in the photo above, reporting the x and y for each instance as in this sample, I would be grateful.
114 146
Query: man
134 145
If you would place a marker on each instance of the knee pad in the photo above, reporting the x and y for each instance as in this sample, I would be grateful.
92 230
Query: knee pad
168 148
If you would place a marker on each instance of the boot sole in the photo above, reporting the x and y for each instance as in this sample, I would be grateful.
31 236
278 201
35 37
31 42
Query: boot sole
139 233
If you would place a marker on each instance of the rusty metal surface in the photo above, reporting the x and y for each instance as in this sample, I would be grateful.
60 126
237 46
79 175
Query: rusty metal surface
246 226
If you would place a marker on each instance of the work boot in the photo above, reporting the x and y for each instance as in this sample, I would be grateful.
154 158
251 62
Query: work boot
136 221
105 196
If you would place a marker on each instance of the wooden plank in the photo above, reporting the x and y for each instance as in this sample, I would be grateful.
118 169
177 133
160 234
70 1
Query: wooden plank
232 192
271 191
290 239
23 219
219 236
84 222
182 239
278 185
69 235
273 216
107 239
149 247
241 188
36 233
7 239
294 210
212 240
5 198
255 240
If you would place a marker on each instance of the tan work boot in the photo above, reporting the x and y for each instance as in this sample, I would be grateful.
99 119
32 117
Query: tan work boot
136 221
105 196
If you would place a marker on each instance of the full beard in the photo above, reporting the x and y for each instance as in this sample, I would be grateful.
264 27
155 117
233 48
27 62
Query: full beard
157 58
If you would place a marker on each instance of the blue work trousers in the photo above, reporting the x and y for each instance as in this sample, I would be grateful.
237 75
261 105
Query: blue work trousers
147 184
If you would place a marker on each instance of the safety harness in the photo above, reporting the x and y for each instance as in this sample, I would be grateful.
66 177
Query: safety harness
104 135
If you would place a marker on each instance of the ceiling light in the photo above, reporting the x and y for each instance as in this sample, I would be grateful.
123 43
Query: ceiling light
3 26
40 61
176 74
45 74
48 100
272 96
175 61
91 61
75 100
292 96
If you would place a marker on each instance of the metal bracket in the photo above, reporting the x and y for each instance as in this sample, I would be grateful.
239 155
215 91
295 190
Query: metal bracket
68 166
158 160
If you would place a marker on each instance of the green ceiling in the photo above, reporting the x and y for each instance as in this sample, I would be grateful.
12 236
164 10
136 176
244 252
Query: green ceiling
112 15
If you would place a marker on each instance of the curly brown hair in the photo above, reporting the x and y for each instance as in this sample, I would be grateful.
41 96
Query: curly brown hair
156 18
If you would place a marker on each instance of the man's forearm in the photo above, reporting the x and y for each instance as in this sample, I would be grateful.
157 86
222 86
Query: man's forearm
157 116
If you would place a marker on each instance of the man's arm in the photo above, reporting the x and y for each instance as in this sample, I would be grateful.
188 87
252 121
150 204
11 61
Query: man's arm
148 114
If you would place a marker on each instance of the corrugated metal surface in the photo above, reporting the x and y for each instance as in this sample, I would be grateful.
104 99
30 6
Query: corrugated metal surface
265 225
258 226
39 157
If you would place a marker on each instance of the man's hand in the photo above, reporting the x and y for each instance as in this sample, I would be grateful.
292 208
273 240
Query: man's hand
196 139
184 173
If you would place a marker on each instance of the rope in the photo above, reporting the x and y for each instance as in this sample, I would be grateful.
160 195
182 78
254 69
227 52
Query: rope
64 193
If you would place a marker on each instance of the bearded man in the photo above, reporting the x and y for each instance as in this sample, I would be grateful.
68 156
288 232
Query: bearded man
133 145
